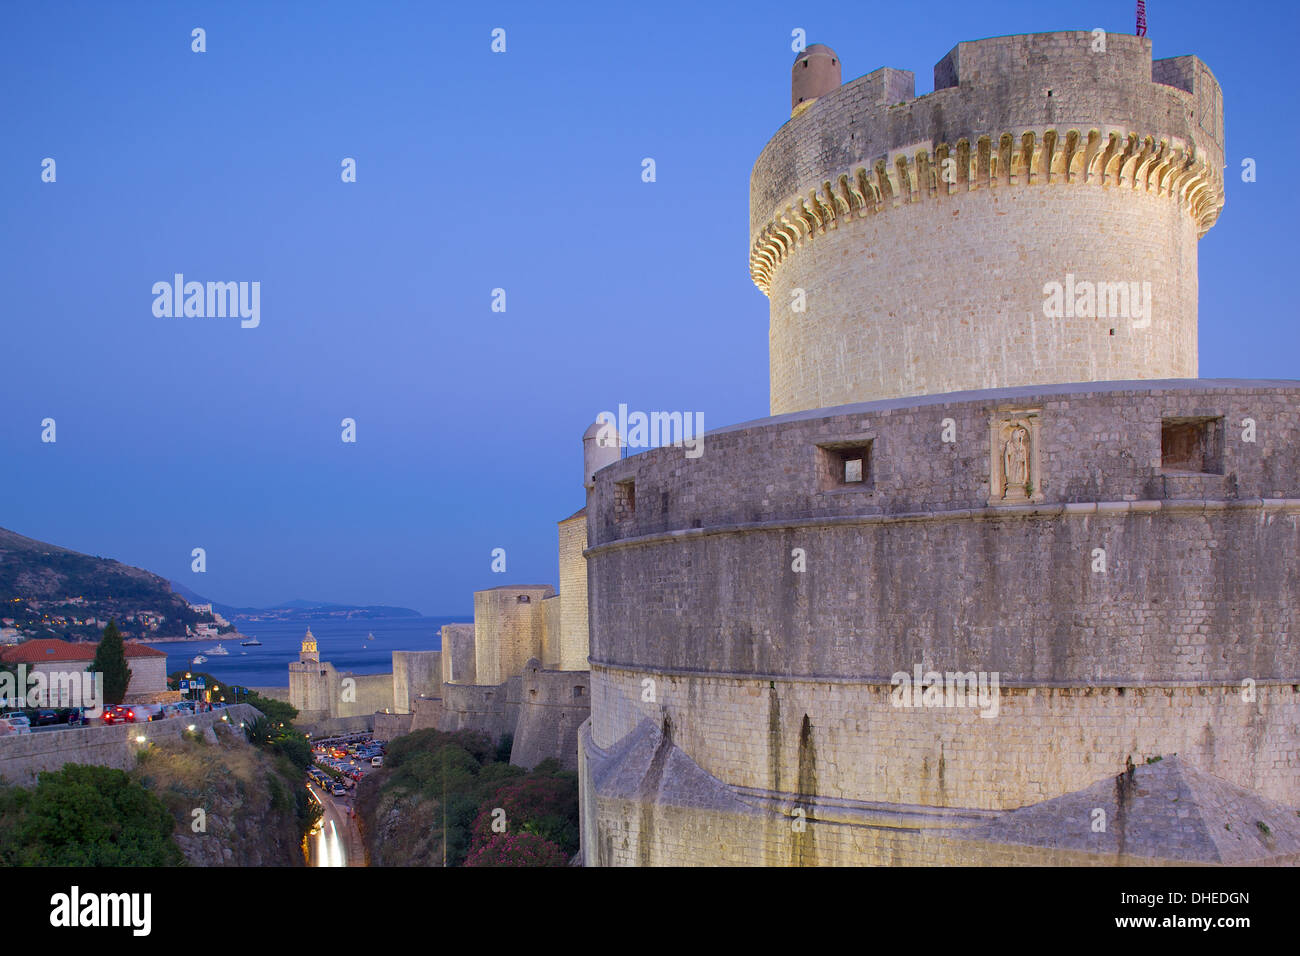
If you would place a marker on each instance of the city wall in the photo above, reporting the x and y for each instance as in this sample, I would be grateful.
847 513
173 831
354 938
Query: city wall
24 756
553 705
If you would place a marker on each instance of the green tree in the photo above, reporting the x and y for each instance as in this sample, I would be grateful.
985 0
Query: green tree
277 711
86 816
296 748
110 660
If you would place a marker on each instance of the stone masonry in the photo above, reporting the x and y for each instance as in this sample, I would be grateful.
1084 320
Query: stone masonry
987 568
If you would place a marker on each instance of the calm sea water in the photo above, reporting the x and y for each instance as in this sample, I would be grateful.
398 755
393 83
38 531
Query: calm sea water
342 643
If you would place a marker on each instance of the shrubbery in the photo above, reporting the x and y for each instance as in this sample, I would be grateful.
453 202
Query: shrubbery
85 816
464 776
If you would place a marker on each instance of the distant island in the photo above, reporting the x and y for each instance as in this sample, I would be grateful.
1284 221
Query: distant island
297 609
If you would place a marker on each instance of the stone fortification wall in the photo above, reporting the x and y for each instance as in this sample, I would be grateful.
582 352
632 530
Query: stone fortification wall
458 653
414 673
573 594
426 713
553 705
508 627
1184 640
493 709
23 757
319 692
551 631
388 726
872 214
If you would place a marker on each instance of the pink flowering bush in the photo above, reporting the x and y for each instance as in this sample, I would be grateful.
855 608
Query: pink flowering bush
516 849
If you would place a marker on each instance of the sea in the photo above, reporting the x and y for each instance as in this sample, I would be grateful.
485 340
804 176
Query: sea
341 642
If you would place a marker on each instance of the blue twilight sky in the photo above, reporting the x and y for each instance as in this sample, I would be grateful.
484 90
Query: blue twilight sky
475 171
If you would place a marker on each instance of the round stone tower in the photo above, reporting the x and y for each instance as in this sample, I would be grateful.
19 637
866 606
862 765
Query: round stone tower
1033 220
601 446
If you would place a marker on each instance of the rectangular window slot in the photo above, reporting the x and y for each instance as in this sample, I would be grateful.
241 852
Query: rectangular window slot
1192 445
624 499
845 465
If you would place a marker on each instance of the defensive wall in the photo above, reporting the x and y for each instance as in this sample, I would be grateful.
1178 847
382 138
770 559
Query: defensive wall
415 673
759 605
24 756
553 704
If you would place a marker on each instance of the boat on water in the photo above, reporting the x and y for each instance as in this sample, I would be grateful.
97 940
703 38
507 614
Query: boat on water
219 651
251 642
370 637
199 659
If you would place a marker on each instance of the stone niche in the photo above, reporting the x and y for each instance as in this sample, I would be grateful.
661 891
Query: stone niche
1015 477
1191 445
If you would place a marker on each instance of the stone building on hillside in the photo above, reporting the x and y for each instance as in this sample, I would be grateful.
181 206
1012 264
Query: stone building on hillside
1000 580
52 657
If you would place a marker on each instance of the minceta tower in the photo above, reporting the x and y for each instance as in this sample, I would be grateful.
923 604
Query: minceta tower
1001 581
906 244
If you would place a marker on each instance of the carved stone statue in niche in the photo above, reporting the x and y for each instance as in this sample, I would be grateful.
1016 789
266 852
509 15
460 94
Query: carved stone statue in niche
1015 462
1013 447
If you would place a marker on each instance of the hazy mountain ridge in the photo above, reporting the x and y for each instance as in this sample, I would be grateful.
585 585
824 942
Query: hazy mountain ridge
298 609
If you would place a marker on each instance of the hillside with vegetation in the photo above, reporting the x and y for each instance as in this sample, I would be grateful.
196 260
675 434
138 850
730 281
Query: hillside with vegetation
438 795
50 591
255 809
200 800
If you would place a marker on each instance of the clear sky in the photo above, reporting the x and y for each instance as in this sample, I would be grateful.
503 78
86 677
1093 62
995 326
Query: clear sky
475 171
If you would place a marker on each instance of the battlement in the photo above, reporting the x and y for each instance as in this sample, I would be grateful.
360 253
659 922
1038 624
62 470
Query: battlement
868 206
987 88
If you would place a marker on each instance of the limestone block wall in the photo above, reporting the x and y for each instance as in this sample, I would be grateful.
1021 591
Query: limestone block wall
388 726
553 704
847 741
337 726
754 662
313 687
317 690
374 693
426 713
148 676
885 317
875 216
414 673
1099 442
551 630
573 594
485 708
24 757
458 653
508 624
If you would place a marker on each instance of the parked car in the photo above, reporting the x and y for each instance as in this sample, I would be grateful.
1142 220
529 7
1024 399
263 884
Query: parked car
8 727
337 790
17 717
45 718
376 761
